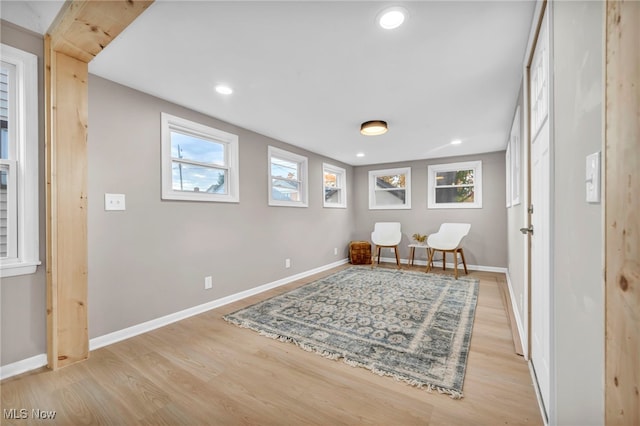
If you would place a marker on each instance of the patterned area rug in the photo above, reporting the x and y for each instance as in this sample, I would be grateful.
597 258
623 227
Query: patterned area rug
413 326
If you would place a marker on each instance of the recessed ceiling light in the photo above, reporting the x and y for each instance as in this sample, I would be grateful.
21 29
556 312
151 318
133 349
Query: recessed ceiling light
223 89
360 154
392 17
456 142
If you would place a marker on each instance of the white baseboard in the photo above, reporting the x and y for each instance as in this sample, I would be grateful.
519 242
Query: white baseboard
116 336
23 366
438 264
516 314
38 361
536 388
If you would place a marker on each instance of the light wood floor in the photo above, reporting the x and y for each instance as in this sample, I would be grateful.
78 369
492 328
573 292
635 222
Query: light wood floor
203 370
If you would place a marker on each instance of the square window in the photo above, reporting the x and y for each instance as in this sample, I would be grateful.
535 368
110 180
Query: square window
390 189
199 163
288 184
334 186
455 185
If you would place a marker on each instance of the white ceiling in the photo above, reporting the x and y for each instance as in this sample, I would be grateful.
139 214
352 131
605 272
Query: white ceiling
32 15
309 72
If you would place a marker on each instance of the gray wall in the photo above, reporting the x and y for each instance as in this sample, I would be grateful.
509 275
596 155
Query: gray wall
151 259
486 244
23 298
515 221
578 288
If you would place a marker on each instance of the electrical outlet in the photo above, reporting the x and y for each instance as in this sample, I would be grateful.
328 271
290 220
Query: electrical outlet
208 283
335 250
287 263
114 202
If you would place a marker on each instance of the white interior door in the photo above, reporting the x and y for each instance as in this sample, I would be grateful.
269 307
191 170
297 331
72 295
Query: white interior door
540 218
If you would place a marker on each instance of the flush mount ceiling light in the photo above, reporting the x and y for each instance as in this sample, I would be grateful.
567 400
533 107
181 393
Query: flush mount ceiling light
456 142
223 89
373 128
392 17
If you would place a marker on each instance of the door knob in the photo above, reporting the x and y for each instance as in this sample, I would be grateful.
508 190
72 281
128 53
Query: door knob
527 230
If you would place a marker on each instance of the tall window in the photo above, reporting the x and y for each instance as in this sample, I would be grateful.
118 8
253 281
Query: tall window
8 166
455 185
334 187
288 185
199 163
18 162
390 189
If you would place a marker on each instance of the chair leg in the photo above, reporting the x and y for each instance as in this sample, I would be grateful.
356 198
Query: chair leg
464 263
455 263
373 256
395 248
430 261
379 248
444 259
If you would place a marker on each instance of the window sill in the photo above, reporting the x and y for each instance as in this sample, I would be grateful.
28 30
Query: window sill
287 204
396 207
18 268
202 196
454 206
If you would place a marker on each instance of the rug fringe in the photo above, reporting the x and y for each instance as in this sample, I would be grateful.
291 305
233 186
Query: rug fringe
400 378
336 356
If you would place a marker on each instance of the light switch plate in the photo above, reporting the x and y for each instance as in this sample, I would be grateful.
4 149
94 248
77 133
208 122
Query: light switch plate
592 177
114 202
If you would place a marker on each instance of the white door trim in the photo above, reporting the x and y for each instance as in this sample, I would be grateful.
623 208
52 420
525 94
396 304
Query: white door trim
542 7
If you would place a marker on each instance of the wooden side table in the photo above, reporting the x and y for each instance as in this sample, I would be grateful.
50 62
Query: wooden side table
412 252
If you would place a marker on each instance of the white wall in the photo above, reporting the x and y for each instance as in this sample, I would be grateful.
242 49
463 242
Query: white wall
486 244
151 259
577 297
578 283
23 309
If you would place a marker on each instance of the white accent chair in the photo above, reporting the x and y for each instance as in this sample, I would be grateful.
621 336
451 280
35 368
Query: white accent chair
449 240
386 234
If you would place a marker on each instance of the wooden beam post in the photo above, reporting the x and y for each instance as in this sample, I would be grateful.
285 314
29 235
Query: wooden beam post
79 33
622 220
67 210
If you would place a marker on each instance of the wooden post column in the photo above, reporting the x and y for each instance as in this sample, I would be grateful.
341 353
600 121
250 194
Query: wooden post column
79 33
622 220
68 340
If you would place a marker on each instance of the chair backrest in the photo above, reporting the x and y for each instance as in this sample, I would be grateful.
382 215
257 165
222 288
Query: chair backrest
449 236
386 233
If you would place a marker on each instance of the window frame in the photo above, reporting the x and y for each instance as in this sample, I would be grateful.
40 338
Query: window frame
341 184
11 166
373 174
514 158
507 169
24 159
231 164
454 167
303 178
